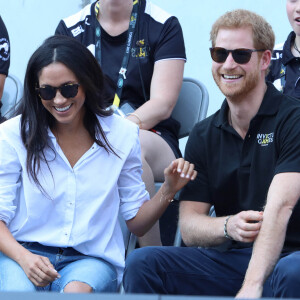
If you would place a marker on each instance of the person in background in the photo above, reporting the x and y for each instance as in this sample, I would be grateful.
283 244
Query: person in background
247 156
68 168
285 64
141 49
4 60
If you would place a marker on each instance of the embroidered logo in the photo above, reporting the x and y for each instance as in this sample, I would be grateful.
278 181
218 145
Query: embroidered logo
264 139
76 31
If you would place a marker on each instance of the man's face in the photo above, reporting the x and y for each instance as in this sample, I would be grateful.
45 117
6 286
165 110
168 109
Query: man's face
293 13
236 80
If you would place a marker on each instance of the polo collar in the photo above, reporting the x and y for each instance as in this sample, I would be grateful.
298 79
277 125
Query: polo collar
287 55
269 106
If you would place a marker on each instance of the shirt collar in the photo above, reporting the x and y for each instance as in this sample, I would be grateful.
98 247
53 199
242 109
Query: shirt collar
103 122
287 53
269 106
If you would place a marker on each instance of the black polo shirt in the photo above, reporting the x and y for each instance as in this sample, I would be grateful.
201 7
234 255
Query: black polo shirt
234 174
285 64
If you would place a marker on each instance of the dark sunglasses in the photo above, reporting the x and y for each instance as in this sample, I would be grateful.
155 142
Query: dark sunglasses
48 92
240 56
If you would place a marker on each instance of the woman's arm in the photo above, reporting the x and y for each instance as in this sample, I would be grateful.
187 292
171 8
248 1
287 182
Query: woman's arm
177 175
164 91
38 268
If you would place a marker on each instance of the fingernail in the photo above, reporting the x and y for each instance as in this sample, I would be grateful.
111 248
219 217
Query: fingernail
187 176
182 175
178 170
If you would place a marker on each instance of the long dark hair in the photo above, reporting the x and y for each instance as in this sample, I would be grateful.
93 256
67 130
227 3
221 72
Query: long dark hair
35 119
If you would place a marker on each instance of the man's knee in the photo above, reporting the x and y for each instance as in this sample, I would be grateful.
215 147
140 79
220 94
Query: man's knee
286 276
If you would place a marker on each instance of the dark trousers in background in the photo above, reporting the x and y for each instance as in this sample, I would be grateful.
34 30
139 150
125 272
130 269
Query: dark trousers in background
198 271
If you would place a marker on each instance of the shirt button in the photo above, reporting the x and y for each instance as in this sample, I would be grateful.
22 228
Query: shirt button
66 234
249 136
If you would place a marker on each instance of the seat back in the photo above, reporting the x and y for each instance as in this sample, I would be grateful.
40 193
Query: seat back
191 106
12 93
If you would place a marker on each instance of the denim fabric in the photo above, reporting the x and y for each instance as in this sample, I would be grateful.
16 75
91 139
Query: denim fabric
70 264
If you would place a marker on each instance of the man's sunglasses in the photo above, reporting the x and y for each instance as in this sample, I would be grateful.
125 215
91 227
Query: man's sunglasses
240 56
48 92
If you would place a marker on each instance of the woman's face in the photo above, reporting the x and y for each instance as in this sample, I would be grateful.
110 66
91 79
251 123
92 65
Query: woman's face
293 13
67 104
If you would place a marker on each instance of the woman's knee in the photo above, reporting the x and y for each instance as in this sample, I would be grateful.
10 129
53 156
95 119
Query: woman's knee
78 287
12 276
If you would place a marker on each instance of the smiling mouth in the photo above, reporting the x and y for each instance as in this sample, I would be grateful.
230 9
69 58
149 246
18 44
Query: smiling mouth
62 109
231 76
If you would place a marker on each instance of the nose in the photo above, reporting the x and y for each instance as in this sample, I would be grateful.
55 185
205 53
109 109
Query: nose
229 63
59 98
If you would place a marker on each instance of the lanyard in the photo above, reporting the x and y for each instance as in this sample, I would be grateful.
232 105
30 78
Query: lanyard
123 69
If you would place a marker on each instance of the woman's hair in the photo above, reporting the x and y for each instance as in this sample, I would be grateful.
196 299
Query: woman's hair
263 35
35 119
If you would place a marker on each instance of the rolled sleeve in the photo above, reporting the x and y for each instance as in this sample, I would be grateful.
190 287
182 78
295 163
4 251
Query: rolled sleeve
131 186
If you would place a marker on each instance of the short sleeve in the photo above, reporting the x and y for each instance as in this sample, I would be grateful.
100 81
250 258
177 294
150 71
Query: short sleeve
132 189
61 29
4 49
288 140
198 189
171 42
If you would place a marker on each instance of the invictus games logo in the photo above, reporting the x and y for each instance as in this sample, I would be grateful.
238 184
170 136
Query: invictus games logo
265 139
4 49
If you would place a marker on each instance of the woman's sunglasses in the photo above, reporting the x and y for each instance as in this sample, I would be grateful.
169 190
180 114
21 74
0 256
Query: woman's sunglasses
48 92
240 56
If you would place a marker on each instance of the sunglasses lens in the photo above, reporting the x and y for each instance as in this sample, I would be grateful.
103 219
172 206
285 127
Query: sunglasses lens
47 92
241 56
219 55
69 90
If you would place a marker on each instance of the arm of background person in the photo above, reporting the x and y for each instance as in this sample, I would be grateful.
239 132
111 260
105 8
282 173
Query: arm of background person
283 195
2 81
165 87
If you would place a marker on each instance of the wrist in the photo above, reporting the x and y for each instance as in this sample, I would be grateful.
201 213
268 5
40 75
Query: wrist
166 195
226 228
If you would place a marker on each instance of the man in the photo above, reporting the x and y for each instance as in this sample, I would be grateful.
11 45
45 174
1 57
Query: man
245 153
4 59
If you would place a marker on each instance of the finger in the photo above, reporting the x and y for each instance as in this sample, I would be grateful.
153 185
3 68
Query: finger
251 226
180 164
36 280
251 215
184 170
249 234
47 268
190 171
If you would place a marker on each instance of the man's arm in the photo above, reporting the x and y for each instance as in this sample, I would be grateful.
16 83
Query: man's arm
198 229
283 195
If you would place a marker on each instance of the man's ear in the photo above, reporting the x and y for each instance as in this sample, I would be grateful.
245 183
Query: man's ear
266 59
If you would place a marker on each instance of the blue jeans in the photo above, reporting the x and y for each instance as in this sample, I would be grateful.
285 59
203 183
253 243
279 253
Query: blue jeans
205 272
71 265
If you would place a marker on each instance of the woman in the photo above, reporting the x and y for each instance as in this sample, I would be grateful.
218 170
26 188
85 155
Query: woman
140 48
67 167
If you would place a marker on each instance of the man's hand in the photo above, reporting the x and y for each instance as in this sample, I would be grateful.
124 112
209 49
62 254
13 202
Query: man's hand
38 269
245 226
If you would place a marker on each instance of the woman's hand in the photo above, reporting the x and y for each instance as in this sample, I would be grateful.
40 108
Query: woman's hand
38 269
177 175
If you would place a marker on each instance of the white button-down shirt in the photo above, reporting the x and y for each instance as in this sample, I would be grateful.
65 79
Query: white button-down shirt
80 205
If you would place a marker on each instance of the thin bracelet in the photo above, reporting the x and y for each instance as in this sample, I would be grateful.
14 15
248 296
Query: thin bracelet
137 116
163 197
225 229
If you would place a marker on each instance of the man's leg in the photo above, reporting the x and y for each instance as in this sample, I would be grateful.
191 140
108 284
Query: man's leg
185 271
285 279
